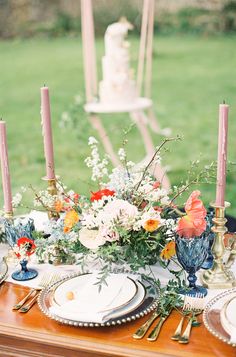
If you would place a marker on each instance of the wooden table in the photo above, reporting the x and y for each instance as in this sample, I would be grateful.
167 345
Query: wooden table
33 334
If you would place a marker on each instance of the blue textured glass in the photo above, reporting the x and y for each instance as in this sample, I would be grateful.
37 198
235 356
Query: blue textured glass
191 253
15 231
24 273
208 263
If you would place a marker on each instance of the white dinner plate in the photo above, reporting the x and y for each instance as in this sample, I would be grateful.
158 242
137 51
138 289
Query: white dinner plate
228 317
118 292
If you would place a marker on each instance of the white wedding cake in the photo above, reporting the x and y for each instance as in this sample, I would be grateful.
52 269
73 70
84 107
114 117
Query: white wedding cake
117 86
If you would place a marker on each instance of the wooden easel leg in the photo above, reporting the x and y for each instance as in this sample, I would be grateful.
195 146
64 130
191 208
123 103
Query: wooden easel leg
97 125
158 172
152 120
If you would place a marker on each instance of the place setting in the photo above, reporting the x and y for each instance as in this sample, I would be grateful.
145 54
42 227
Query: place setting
77 300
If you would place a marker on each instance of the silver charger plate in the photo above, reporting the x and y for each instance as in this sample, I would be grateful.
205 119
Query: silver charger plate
212 318
148 304
3 270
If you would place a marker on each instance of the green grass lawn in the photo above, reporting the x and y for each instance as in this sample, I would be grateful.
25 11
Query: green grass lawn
191 76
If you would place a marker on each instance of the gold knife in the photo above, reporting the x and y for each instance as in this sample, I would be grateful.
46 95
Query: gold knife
155 332
143 329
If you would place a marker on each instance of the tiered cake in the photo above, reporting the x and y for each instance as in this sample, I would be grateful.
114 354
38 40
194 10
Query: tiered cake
117 86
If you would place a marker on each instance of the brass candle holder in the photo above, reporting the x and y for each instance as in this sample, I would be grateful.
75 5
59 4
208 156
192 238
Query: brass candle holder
52 190
219 276
9 215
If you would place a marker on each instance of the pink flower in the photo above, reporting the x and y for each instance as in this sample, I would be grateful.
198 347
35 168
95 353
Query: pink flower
193 223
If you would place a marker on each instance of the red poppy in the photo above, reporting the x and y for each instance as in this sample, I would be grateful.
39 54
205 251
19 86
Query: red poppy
101 193
26 243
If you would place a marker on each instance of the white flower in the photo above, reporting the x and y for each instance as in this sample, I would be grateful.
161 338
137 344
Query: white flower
16 200
121 211
108 234
90 238
92 141
122 154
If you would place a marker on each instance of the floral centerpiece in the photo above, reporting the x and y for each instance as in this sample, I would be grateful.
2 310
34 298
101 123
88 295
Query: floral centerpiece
130 219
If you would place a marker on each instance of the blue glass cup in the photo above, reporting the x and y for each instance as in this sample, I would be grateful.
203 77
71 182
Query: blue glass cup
191 253
24 273
208 263
13 232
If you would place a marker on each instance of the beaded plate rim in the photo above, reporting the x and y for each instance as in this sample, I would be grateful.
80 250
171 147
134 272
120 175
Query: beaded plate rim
206 311
112 322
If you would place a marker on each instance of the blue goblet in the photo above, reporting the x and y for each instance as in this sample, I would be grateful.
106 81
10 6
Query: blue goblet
24 273
14 231
208 263
191 253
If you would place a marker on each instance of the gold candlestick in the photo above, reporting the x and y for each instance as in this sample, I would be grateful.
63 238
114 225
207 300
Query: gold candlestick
219 276
52 190
9 215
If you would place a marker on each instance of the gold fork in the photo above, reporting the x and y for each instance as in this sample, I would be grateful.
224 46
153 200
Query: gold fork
31 292
186 310
46 281
197 306
46 278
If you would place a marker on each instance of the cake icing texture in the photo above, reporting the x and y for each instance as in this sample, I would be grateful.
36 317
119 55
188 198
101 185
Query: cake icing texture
117 85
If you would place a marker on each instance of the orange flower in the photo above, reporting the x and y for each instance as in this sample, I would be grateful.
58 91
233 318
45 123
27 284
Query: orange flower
151 225
71 218
168 251
193 223
58 206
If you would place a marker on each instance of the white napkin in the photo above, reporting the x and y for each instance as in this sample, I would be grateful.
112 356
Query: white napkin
89 304
40 219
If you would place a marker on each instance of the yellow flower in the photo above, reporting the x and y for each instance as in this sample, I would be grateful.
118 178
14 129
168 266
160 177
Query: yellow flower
71 218
168 251
151 225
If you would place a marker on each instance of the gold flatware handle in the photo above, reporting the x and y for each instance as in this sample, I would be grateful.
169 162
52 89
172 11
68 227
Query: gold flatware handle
143 329
185 337
178 330
21 303
27 307
155 332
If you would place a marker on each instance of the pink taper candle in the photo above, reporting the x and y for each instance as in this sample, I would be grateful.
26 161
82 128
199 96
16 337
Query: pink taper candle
6 180
47 133
222 155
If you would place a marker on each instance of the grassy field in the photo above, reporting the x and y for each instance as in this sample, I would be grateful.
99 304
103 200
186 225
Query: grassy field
191 76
